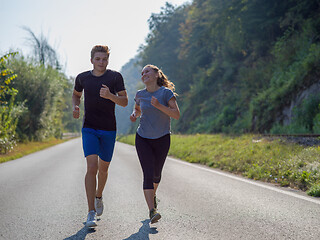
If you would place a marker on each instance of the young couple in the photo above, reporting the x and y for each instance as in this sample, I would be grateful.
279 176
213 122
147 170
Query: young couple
155 105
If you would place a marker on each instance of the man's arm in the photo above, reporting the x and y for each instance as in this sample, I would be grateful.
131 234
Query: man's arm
76 96
120 98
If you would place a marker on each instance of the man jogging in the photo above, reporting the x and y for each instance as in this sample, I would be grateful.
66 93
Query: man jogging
103 88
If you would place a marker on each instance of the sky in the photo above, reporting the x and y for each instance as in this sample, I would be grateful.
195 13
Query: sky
73 27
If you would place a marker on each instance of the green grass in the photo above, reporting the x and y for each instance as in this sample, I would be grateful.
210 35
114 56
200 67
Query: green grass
23 149
286 164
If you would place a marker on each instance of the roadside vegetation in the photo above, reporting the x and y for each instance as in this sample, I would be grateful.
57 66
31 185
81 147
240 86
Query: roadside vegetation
276 161
35 100
23 149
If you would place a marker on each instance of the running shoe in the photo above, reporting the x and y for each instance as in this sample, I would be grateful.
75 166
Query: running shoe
154 216
98 204
92 219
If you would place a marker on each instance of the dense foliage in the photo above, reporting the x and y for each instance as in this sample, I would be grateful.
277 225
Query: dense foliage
35 97
9 112
240 65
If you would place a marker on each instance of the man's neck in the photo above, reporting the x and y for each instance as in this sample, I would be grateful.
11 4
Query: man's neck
98 73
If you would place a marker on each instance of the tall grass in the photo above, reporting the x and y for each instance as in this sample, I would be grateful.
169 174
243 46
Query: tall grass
276 161
23 149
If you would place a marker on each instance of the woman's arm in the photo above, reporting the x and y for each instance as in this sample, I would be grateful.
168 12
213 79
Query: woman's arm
136 113
172 110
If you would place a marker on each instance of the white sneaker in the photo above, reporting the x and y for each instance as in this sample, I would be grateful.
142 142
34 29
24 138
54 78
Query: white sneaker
98 204
92 219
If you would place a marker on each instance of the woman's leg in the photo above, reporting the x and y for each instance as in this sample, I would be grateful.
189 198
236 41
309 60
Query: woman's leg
146 158
149 196
161 148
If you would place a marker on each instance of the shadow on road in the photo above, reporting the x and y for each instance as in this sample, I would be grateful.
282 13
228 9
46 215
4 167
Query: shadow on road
81 234
144 231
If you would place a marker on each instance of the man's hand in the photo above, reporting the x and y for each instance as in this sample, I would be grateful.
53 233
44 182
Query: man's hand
105 92
76 112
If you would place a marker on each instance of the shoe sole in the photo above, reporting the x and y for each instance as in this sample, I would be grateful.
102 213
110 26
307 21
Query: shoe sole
155 218
91 225
99 214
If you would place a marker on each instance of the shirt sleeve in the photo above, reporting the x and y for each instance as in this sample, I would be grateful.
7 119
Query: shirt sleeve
119 85
78 86
168 95
137 99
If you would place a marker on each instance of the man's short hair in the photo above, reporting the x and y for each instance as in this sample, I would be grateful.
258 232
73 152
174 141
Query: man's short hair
100 48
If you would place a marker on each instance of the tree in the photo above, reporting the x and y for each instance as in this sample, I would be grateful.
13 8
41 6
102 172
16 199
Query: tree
42 51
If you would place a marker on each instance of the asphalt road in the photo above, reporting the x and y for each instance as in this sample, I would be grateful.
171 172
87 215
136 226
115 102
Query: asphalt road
42 197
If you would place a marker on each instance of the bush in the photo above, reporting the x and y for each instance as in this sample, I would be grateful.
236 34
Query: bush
9 112
42 89
314 190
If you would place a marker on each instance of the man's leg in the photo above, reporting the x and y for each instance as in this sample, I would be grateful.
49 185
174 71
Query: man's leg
90 180
102 176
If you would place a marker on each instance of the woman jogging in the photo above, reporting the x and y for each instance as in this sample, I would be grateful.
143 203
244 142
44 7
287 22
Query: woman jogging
155 105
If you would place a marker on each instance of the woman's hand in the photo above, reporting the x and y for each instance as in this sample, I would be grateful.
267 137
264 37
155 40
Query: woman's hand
155 102
133 117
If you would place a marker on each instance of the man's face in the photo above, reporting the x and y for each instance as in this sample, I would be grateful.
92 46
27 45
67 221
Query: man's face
100 61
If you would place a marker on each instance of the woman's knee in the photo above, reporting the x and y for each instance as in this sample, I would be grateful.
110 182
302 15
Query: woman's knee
148 183
157 179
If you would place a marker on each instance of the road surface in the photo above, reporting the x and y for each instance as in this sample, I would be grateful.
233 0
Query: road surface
42 197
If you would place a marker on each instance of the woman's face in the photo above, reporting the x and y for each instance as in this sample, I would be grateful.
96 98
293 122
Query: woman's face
148 75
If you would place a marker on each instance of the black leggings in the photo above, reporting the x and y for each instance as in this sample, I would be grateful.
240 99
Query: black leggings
152 154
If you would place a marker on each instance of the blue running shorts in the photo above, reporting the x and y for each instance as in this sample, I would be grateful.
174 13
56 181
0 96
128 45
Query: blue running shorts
98 142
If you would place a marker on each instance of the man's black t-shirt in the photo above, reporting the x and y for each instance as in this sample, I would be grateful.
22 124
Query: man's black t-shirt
99 112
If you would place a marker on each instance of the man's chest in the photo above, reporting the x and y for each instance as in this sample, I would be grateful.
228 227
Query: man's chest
93 86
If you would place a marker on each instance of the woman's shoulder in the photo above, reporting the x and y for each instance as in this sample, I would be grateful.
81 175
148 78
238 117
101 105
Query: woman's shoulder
141 92
166 90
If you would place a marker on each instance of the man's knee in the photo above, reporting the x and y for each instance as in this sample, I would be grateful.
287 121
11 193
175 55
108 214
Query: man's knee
92 164
92 169
103 166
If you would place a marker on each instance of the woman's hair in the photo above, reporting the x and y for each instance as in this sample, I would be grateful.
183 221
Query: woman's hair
163 79
100 48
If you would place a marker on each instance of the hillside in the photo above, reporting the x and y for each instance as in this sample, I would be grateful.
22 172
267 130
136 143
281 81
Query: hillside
240 66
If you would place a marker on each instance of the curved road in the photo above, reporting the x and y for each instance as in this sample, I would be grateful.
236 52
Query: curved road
42 197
